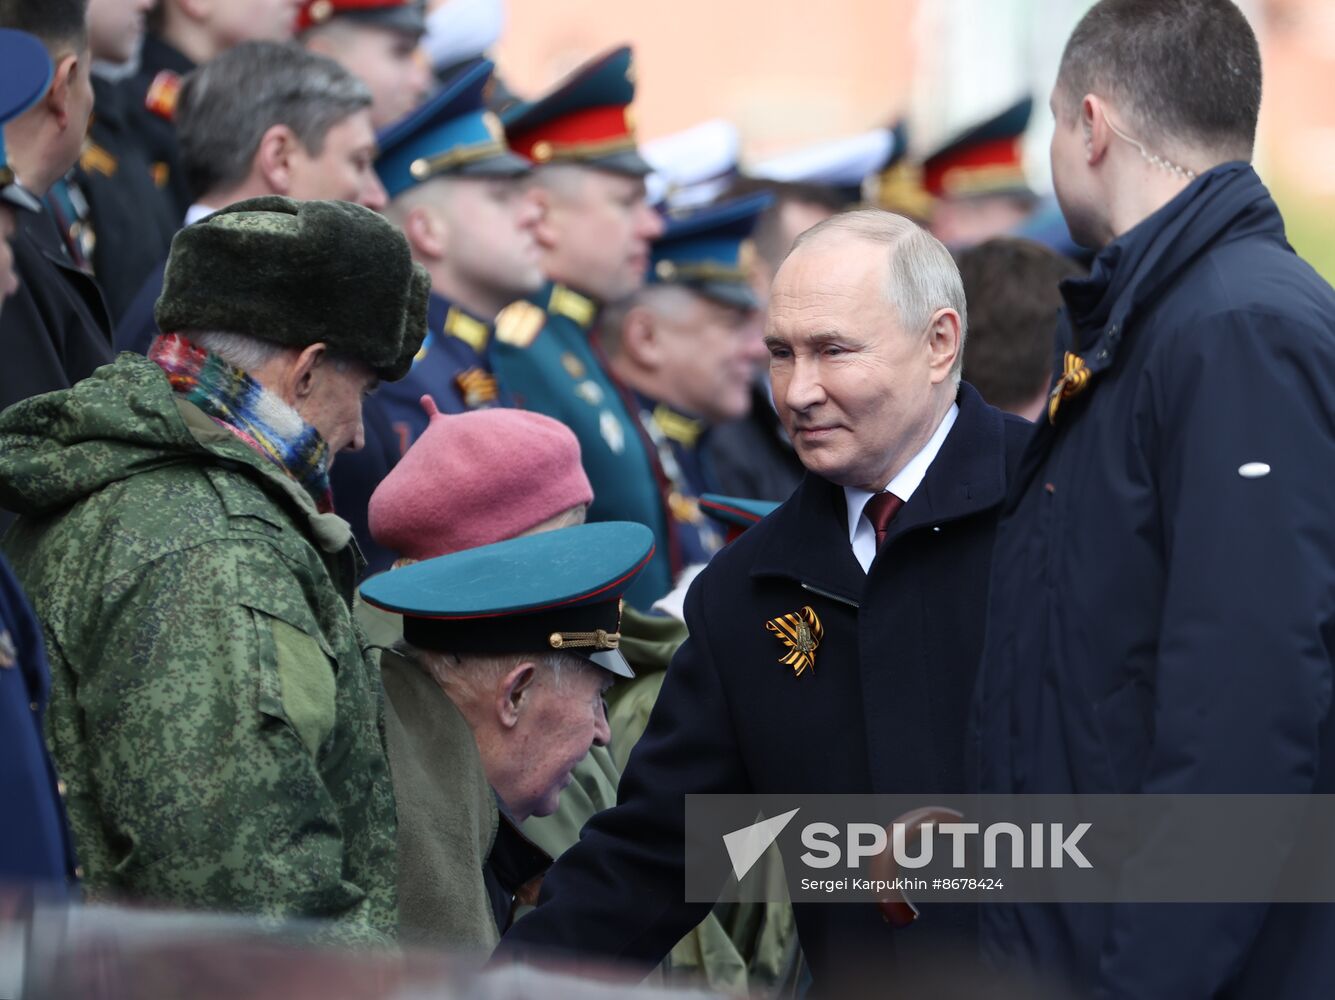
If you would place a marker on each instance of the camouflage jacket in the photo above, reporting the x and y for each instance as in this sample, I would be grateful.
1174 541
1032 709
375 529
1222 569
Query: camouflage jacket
213 713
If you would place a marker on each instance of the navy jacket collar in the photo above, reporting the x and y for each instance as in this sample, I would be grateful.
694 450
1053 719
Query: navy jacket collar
807 538
1128 274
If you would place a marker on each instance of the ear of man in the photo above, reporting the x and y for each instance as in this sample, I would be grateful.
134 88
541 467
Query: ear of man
304 374
513 694
641 340
428 232
278 146
943 344
58 96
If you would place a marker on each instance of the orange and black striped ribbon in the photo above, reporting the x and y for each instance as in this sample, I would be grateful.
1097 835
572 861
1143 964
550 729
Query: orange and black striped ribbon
800 633
1074 380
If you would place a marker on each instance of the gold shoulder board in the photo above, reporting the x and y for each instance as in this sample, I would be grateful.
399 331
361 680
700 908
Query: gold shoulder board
519 322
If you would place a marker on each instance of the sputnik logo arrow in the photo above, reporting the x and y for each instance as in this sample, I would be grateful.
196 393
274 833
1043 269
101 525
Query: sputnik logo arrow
745 846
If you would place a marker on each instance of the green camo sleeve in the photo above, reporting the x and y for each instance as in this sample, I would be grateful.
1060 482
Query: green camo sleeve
205 720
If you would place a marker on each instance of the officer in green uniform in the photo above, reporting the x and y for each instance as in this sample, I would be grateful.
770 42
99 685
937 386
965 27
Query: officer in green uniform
595 236
688 346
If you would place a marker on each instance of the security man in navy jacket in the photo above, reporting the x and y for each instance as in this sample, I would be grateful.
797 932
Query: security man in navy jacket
867 385
1163 603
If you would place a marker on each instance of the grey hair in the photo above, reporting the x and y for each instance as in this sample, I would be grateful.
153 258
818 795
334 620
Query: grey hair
474 673
250 354
923 276
240 350
227 105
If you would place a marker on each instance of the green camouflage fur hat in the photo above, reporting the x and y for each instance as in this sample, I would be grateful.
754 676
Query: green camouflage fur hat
298 273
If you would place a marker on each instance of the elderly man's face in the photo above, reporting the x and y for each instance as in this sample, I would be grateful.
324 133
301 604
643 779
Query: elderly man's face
334 405
557 726
854 389
710 354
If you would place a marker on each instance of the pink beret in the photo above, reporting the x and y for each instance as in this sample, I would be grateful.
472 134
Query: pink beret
476 478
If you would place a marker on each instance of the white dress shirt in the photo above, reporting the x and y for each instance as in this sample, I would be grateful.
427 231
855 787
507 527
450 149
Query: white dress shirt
861 533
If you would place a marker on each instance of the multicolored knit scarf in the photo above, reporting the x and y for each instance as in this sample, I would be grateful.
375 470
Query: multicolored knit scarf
237 402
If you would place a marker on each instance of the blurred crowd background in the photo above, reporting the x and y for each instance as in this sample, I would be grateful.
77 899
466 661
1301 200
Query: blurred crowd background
788 73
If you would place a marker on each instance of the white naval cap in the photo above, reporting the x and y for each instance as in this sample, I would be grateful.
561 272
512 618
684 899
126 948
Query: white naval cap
841 163
693 167
462 29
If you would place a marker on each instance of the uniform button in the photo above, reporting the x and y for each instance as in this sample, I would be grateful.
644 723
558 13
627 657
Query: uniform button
78 871
60 789
33 706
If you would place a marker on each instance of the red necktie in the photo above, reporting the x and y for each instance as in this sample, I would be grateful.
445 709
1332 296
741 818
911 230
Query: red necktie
881 510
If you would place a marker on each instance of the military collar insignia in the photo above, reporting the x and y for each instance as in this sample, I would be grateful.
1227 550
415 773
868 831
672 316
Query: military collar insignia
9 655
569 303
472 332
477 387
162 94
800 633
678 427
519 323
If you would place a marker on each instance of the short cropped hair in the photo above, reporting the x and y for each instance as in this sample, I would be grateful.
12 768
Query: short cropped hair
922 275
58 24
227 105
1011 285
1187 71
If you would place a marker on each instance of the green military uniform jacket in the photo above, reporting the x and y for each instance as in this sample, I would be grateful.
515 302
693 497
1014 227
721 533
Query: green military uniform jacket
447 812
213 714
543 357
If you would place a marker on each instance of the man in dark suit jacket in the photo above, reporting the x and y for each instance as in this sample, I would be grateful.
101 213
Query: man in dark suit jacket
865 360
54 330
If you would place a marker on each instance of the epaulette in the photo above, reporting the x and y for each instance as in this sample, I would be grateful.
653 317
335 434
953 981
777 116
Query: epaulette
472 332
162 94
519 322
96 160
569 303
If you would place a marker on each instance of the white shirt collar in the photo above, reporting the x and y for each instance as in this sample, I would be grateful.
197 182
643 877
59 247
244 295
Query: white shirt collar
196 212
861 534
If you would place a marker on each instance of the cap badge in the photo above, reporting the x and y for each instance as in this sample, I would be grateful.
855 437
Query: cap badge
800 633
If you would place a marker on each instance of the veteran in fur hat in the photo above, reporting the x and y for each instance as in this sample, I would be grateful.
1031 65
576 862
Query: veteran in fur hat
212 715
